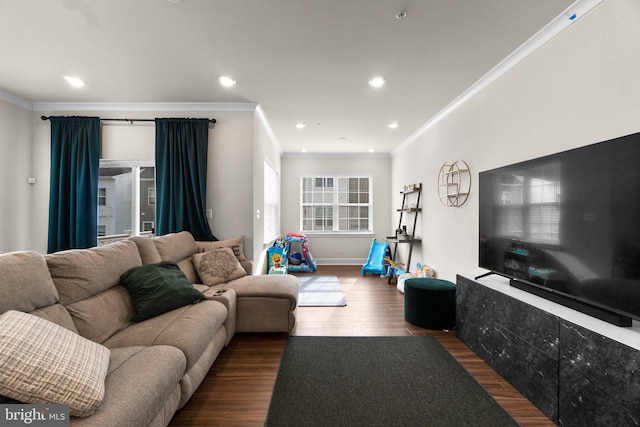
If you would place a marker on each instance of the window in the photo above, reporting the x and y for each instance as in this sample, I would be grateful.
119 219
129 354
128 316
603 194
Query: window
345 207
529 206
130 207
102 196
271 203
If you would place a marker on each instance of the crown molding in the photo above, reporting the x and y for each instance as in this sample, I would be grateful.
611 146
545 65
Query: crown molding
146 106
163 106
16 100
574 12
335 155
269 129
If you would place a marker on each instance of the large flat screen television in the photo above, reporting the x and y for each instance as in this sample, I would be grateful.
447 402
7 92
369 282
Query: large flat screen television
567 227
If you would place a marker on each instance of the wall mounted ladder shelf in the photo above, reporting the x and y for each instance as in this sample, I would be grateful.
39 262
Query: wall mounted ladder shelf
408 214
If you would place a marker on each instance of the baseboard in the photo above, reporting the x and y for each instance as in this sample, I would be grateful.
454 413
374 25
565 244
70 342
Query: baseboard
341 261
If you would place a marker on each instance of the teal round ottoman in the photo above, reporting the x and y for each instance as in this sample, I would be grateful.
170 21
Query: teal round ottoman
430 303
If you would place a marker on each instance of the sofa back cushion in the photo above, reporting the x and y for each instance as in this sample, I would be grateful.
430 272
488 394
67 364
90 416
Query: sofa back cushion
88 284
26 285
175 246
179 247
148 252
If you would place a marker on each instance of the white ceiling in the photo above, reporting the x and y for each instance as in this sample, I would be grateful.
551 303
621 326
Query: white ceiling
301 60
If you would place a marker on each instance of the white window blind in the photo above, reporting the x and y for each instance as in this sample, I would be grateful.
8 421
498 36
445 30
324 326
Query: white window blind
271 203
335 203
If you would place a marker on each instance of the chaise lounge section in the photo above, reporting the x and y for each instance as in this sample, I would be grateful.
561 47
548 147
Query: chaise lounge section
264 302
154 365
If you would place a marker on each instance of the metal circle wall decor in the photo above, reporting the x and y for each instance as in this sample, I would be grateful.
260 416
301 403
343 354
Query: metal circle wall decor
454 183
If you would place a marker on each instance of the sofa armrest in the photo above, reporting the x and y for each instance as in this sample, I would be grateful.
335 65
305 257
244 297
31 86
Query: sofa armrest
228 298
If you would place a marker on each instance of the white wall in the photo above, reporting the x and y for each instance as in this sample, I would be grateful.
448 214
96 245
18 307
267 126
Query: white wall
229 177
230 182
580 88
15 167
266 148
335 248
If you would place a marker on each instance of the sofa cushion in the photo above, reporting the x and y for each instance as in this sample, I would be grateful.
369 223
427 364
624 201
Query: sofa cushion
190 328
178 247
57 314
26 285
236 244
142 383
87 282
102 315
218 266
175 246
265 303
25 282
82 273
158 288
148 251
285 286
44 363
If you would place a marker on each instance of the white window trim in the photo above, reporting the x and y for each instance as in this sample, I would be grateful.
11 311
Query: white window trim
136 167
335 231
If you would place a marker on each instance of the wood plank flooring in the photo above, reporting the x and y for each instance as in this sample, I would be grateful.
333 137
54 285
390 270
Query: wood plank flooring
237 390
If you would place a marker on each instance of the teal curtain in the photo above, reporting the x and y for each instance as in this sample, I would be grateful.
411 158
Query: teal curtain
73 194
182 147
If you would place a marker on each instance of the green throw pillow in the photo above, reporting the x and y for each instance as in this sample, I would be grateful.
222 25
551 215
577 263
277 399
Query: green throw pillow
158 288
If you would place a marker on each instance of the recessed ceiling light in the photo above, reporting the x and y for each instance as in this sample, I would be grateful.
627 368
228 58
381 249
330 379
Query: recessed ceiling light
377 81
392 125
371 150
301 125
226 81
304 150
75 81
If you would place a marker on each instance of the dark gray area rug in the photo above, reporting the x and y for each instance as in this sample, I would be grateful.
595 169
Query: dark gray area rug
377 381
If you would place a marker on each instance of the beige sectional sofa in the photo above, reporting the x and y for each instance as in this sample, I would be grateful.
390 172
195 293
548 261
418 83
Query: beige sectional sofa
154 365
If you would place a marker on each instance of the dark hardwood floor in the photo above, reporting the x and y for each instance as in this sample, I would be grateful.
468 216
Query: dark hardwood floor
237 390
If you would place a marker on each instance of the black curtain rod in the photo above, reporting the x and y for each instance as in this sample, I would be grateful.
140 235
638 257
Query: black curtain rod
127 120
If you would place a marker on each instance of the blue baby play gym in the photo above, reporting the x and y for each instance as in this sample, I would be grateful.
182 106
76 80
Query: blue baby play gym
291 254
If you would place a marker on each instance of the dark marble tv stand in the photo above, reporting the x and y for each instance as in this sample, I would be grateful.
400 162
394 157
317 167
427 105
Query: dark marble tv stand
577 369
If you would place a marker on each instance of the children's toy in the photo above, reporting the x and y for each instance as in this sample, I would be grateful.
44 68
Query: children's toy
395 268
375 260
402 278
422 271
307 263
277 254
295 258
